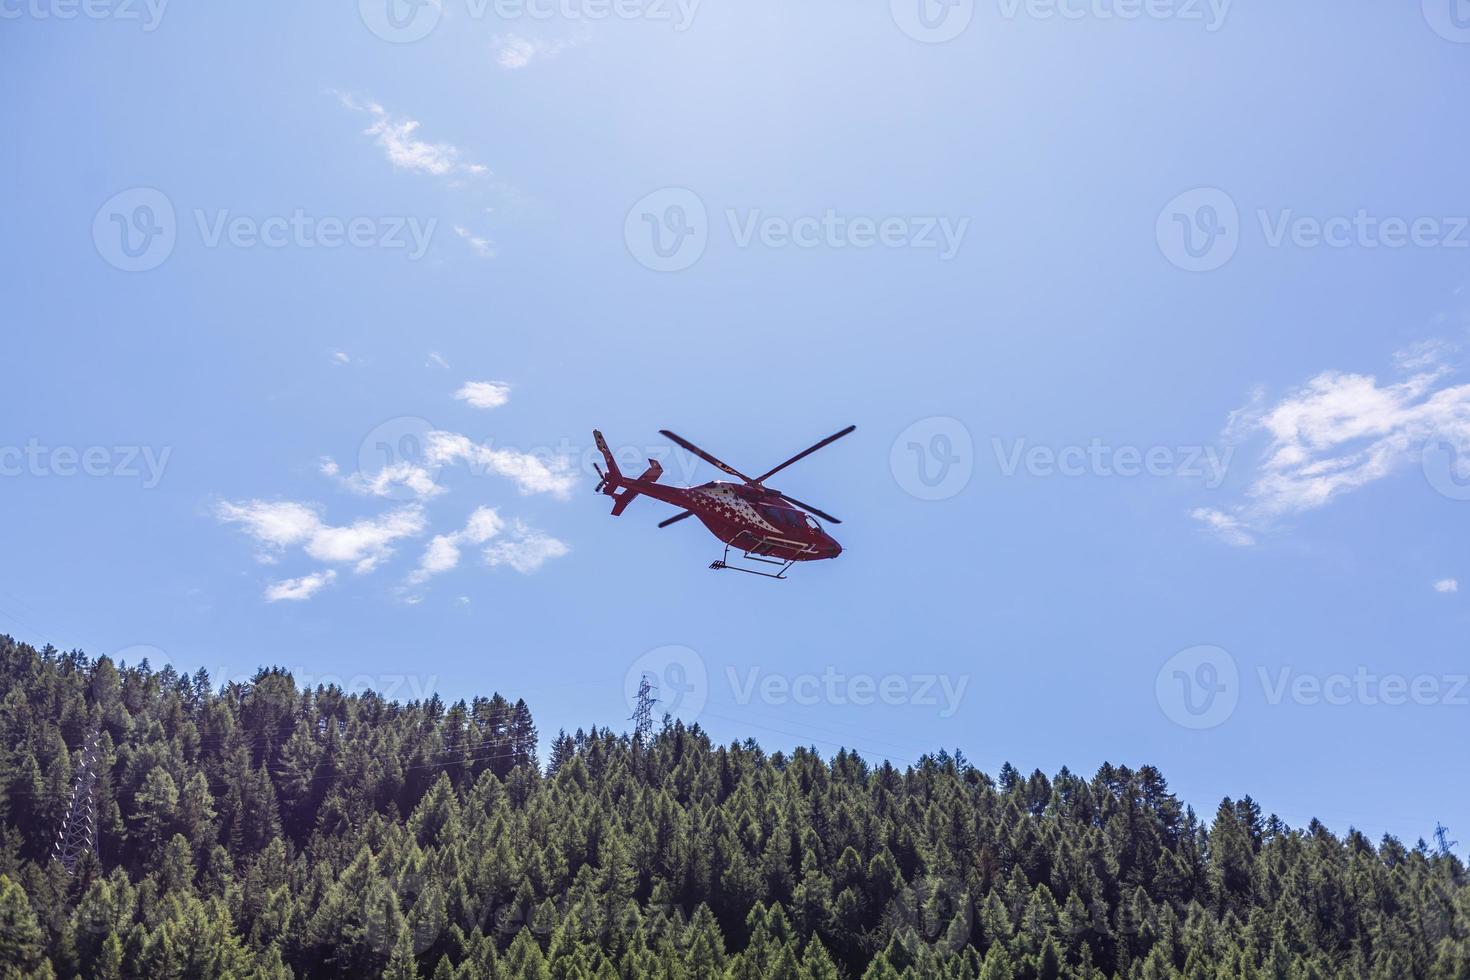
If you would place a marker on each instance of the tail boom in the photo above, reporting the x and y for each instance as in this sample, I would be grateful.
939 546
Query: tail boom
619 487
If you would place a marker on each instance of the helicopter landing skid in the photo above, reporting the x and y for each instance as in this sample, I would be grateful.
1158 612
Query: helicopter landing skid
759 552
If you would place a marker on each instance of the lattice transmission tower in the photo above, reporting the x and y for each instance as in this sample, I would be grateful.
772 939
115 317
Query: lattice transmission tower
642 716
1442 838
75 835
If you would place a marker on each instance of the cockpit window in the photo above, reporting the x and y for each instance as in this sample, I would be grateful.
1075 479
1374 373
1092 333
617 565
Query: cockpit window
786 518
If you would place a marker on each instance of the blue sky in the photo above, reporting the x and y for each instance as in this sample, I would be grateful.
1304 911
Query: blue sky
1151 319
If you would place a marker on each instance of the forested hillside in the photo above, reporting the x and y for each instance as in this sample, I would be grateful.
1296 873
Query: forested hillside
265 831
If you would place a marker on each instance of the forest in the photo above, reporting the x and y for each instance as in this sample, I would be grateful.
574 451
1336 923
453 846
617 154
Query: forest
260 830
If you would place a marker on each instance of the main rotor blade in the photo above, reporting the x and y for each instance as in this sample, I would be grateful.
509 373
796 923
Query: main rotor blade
717 464
822 514
676 518
805 453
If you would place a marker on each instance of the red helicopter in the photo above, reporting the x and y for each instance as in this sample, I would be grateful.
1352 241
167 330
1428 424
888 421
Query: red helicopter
767 526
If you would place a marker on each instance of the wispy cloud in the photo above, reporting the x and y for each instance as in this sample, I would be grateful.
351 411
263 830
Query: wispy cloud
484 394
436 360
297 589
524 550
443 551
1337 433
1447 585
398 138
483 247
386 482
515 51
341 357
529 472
364 544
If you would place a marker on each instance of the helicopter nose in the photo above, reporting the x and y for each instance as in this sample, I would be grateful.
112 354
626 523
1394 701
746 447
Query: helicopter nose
833 548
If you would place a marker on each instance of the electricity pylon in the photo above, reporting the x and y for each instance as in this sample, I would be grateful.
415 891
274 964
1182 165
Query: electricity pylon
1441 837
642 716
74 837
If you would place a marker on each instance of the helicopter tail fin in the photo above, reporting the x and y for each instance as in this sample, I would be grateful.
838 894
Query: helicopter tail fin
613 480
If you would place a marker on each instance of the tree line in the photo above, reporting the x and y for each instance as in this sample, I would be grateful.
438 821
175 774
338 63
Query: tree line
259 830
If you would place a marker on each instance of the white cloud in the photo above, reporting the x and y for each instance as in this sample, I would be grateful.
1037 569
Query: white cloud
484 394
418 480
513 51
278 525
436 360
1338 433
398 139
526 550
1447 585
297 589
363 544
368 542
483 247
341 357
1231 529
442 553
530 473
